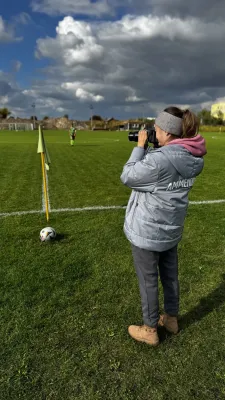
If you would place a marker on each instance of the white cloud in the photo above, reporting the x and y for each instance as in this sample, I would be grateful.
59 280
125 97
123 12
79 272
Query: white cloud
149 27
74 43
4 100
65 7
60 109
134 58
29 92
134 66
203 9
132 99
84 95
7 33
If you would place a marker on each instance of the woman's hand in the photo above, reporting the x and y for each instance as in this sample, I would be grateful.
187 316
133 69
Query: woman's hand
142 138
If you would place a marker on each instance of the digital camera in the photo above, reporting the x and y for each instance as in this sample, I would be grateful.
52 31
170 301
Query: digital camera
151 134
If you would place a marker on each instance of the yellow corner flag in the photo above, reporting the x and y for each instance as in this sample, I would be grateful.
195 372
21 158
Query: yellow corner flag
45 161
43 149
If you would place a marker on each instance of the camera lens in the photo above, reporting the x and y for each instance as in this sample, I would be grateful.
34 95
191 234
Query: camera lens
133 136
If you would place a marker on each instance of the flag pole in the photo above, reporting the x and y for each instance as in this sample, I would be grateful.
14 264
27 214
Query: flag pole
45 161
45 185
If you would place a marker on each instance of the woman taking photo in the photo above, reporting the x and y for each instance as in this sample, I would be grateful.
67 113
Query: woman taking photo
161 180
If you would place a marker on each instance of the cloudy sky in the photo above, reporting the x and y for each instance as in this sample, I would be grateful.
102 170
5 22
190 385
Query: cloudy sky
125 58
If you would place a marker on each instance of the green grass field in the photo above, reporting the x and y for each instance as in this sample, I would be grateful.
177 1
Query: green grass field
65 306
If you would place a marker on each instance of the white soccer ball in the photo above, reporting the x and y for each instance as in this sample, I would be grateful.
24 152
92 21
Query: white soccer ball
47 234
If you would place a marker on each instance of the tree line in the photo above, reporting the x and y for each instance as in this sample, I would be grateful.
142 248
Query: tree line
204 116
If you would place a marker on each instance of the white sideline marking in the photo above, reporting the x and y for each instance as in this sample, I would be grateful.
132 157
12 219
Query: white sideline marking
21 213
207 202
94 208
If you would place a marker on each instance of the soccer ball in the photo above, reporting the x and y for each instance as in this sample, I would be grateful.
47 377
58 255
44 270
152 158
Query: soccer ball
47 234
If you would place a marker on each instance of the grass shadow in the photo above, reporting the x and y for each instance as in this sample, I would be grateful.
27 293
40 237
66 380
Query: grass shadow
206 305
60 237
163 334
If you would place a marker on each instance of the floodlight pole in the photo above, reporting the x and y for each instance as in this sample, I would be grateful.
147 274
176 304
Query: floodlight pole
91 108
143 109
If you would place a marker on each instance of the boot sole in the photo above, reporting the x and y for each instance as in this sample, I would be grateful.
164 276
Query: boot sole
144 341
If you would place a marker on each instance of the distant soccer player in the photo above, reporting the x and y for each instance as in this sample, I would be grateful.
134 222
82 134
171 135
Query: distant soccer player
72 134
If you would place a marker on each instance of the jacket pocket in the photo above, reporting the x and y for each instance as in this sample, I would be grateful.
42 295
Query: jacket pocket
165 216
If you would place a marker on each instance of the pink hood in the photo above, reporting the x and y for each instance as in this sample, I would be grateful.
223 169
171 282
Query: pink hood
195 145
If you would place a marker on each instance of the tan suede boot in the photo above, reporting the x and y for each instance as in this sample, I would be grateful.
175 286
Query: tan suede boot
170 323
144 334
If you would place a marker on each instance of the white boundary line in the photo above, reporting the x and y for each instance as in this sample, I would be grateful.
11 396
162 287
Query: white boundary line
94 208
207 202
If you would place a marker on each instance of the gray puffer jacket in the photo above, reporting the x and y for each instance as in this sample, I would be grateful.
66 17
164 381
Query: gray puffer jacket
161 180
